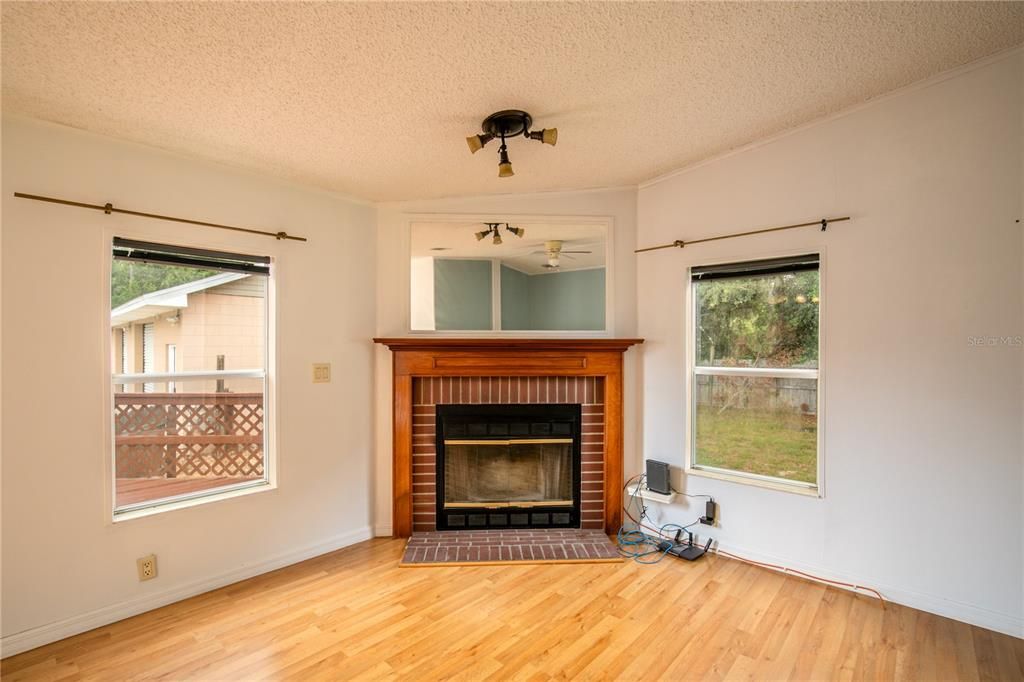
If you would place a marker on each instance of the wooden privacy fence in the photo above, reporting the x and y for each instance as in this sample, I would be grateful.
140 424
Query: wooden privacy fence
758 394
179 435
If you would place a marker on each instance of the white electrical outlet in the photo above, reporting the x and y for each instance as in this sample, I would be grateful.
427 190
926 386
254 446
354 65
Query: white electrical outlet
321 372
147 567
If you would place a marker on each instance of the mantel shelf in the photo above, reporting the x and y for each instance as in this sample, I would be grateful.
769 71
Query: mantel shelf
429 343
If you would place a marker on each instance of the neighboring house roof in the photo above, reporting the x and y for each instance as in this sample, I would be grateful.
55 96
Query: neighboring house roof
166 300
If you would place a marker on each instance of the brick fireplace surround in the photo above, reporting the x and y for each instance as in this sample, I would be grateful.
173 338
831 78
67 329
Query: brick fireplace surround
433 371
428 392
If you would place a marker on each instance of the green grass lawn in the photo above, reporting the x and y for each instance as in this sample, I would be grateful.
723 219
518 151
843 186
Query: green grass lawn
771 443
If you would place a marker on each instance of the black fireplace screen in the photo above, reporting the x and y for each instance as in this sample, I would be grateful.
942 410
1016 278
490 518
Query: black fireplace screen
508 466
508 473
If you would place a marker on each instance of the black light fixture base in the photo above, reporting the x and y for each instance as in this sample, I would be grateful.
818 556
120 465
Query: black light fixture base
508 123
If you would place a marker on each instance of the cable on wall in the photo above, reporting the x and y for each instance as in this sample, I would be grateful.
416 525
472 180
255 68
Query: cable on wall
679 243
634 544
109 208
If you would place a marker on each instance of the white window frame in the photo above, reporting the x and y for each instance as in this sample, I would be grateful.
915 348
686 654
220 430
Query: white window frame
268 482
693 370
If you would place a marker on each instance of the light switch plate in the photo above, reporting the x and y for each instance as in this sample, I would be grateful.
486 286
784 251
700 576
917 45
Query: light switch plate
321 372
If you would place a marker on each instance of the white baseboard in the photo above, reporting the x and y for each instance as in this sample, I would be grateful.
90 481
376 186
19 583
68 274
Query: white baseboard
975 615
44 634
383 530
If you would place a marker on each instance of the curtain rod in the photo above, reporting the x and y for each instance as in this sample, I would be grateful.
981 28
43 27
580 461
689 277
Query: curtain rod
679 243
109 208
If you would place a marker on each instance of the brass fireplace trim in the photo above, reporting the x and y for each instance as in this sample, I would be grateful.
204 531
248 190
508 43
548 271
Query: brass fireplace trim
507 505
517 441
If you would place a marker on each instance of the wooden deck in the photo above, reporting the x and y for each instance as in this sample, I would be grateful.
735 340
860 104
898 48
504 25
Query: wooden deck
354 614
135 490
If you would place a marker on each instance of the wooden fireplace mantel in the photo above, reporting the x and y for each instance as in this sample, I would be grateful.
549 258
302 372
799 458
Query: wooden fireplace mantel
430 356
437 343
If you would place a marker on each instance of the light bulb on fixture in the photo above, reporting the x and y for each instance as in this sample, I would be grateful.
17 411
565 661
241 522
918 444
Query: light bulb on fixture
517 231
547 136
477 142
504 165
480 235
497 238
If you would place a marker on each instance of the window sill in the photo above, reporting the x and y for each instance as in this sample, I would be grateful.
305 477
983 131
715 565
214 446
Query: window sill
173 504
806 490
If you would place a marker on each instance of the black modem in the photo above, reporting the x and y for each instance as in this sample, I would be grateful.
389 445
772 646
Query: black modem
658 477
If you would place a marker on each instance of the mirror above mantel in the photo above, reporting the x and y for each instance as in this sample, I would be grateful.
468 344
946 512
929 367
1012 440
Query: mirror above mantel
494 275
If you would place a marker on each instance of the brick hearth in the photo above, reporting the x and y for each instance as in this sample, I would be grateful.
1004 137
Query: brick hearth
493 546
427 392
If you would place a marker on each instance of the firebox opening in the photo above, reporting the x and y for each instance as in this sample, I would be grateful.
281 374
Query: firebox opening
506 466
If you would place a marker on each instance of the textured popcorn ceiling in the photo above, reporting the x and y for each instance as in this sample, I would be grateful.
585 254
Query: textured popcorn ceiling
375 100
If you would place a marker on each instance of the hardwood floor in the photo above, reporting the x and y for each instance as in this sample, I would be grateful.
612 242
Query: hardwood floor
356 614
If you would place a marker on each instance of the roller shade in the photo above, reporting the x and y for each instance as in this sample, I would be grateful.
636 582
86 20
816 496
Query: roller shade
772 266
147 252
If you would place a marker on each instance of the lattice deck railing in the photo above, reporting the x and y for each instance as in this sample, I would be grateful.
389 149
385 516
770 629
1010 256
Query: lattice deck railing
177 435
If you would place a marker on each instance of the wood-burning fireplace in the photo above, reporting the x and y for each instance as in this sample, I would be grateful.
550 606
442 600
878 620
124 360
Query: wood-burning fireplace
508 466
431 373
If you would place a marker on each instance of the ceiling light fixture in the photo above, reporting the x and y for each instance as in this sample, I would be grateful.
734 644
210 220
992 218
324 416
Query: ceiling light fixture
505 124
494 230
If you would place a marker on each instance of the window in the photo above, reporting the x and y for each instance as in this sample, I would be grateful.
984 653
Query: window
754 371
191 421
121 363
172 364
147 354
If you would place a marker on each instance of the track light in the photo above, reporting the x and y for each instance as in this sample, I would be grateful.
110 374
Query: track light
477 142
494 231
505 124
547 136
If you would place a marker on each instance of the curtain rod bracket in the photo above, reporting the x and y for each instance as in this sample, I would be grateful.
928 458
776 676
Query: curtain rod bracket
824 224
679 242
108 208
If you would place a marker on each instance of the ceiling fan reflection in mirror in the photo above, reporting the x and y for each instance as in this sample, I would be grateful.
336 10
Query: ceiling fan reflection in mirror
554 252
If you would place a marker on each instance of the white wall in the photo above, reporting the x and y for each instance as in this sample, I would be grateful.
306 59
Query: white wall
923 447
421 293
66 567
393 290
